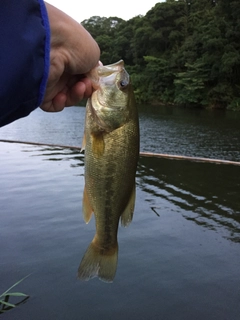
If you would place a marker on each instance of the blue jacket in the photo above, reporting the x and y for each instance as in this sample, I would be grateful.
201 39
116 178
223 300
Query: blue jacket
24 57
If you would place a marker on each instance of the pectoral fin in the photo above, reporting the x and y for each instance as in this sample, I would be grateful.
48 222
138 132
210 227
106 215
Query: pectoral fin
98 145
86 206
127 215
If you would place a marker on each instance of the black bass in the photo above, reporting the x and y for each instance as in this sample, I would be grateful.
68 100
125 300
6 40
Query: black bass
111 140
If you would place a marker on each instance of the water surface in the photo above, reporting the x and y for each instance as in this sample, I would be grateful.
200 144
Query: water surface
189 132
178 259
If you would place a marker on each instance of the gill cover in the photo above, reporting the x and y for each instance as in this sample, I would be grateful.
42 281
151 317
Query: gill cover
109 103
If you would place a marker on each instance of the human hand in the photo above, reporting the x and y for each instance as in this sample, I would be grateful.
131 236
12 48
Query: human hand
73 53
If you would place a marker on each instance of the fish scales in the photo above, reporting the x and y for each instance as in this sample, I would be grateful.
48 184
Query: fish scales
111 156
115 171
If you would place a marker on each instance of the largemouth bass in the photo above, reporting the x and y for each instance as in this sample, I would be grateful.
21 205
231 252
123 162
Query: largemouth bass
111 154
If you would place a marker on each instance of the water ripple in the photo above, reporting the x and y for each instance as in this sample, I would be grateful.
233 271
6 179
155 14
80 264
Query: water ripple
207 202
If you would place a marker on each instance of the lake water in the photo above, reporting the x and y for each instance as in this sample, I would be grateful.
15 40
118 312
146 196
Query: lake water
178 259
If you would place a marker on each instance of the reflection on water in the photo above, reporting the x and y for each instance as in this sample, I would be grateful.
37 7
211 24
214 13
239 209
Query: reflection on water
189 132
208 194
57 154
179 259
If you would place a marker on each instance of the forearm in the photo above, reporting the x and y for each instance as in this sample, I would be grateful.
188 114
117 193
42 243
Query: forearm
24 57
43 58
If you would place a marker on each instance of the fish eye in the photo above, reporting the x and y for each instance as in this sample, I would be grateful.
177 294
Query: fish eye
123 84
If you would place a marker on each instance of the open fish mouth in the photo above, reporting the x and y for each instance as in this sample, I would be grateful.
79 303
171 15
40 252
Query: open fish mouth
108 72
104 71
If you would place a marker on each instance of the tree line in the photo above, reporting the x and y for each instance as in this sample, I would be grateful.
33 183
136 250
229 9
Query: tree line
184 52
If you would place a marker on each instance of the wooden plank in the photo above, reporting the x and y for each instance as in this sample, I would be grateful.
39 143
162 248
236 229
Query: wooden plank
142 154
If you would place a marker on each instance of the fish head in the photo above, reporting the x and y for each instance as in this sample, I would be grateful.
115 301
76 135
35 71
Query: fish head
110 102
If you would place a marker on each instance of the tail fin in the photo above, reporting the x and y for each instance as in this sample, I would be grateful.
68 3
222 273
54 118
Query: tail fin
98 264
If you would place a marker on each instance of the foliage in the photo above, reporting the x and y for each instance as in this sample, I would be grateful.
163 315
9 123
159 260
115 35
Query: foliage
185 52
5 305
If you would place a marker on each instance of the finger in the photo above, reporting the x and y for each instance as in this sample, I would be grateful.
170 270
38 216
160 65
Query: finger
75 94
89 87
82 89
59 102
55 105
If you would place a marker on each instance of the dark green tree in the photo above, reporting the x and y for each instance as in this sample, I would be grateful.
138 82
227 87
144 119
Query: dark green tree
185 52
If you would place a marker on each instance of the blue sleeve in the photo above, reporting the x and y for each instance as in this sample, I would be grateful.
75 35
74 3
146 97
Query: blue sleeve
24 57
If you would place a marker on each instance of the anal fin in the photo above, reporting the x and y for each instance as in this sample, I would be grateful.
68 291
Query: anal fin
86 206
127 214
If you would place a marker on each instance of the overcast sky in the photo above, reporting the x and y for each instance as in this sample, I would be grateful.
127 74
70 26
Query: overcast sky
125 9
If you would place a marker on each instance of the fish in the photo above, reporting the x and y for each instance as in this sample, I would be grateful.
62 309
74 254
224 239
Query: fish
111 147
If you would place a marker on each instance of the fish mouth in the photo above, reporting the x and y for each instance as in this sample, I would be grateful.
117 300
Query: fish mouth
110 78
104 71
